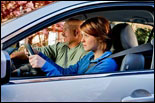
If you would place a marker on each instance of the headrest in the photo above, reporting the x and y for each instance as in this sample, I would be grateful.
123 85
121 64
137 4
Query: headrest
123 37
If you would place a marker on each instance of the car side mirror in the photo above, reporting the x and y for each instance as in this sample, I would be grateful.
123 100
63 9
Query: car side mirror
5 67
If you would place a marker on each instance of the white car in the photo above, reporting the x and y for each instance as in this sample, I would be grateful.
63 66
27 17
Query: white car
133 82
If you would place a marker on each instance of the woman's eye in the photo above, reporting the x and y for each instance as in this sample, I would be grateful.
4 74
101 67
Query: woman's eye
86 35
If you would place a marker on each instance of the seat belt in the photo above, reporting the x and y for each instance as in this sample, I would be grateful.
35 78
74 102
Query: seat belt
137 49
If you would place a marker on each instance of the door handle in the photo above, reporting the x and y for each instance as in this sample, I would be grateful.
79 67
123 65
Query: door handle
139 99
139 95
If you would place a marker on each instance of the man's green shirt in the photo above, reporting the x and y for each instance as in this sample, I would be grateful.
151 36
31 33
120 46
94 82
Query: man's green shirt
62 55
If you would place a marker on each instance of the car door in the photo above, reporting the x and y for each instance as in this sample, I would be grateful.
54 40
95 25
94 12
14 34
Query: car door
88 88
107 87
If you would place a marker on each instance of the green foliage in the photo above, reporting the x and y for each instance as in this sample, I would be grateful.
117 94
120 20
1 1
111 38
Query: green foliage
142 35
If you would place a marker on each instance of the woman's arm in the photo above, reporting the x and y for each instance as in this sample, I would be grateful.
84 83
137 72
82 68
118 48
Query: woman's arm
53 69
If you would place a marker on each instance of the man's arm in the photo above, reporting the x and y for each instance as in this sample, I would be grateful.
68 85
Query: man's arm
19 55
51 51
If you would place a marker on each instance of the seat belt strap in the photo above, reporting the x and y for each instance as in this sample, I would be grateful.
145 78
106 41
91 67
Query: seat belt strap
137 49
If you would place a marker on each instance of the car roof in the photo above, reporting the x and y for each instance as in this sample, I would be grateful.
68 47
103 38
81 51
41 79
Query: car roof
30 18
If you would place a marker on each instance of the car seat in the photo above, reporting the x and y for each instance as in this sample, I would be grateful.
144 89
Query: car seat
123 37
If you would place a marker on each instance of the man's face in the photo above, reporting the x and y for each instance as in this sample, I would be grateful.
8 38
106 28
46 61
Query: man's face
68 34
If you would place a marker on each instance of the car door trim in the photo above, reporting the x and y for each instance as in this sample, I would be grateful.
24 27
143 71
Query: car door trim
77 77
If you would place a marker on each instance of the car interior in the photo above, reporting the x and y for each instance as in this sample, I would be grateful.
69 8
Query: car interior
124 37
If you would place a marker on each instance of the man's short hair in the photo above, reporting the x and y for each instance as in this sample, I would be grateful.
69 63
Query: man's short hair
73 21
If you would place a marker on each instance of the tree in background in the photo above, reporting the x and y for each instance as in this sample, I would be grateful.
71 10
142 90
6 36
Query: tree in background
12 9
142 35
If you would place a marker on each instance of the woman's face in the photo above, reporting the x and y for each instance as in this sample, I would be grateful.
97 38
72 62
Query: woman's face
89 42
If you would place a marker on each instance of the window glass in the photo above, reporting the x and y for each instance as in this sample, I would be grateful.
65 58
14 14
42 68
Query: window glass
53 34
141 31
47 36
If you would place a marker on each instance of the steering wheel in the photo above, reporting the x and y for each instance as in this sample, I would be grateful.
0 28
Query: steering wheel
26 69
29 48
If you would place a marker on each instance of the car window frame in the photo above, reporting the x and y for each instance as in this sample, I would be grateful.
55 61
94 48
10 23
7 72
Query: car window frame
66 15
24 80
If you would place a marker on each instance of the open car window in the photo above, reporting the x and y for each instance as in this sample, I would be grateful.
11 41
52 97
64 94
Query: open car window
53 34
47 36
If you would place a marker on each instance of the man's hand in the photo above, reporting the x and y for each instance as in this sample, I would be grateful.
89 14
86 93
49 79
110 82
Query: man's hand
22 55
36 61
19 55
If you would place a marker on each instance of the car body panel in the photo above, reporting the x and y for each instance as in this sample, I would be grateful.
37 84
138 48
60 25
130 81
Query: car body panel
108 87
98 89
